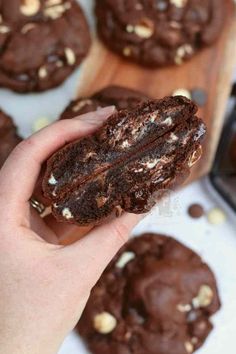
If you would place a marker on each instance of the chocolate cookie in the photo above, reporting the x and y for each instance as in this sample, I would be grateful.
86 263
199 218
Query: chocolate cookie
155 297
42 42
159 32
127 163
8 137
121 97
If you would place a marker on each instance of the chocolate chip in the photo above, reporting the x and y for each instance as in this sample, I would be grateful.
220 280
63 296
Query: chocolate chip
196 211
199 96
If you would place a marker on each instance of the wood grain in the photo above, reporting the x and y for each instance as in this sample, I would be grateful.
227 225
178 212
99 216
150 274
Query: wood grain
211 69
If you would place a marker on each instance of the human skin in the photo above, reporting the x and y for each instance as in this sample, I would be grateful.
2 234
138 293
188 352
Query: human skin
44 286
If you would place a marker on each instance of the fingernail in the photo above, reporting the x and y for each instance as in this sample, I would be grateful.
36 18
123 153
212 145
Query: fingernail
105 111
100 115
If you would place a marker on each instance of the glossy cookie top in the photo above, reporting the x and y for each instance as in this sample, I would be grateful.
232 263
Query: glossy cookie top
159 32
127 163
8 137
156 296
121 97
42 41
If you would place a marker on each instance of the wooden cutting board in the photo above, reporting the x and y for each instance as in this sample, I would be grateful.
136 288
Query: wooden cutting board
211 70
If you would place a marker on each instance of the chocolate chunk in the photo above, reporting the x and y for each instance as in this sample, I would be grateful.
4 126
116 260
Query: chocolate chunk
42 42
134 156
196 211
199 96
8 137
156 33
121 97
149 305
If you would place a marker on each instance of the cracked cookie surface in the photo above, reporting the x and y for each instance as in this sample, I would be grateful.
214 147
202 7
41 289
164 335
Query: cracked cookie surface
42 42
156 296
159 32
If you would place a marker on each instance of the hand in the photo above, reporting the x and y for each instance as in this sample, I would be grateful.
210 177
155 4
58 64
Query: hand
44 286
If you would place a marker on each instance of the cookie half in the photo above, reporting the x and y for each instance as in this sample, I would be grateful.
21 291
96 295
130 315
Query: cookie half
8 136
127 164
121 97
42 42
159 32
156 296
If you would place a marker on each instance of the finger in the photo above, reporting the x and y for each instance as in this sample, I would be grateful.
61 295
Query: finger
66 233
20 172
92 253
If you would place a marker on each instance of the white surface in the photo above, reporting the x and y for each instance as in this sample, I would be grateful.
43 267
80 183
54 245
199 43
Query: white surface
216 245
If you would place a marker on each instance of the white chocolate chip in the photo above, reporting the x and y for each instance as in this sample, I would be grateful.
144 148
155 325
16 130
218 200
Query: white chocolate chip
153 163
67 213
4 29
204 297
125 144
53 2
125 258
127 51
172 138
179 3
182 52
104 323
184 307
52 180
56 11
182 92
40 123
189 347
168 121
26 28
129 28
42 73
70 56
30 7
144 29
216 216
81 104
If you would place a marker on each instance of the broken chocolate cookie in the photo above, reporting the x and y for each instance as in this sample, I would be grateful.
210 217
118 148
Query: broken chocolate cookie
127 163
156 296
